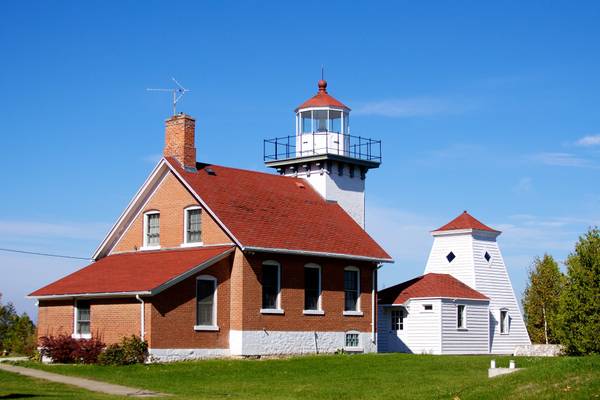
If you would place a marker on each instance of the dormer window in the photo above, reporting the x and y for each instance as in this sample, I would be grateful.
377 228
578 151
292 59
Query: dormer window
152 229
193 226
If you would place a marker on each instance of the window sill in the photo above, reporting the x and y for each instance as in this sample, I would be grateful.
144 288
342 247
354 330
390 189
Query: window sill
81 336
505 333
353 313
271 311
313 312
193 244
144 248
212 328
353 349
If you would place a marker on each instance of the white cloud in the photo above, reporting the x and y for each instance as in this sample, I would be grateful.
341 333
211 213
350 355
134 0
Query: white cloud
523 186
152 158
562 160
588 141
413 107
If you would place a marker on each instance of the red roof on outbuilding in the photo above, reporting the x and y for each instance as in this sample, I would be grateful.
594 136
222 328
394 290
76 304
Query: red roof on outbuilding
465 221
322 99
270 211
140 271
429 285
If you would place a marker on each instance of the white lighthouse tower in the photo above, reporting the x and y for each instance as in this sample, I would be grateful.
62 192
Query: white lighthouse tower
323 152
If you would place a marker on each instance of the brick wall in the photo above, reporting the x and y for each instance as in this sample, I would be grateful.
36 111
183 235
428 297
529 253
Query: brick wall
174 313
55 317
112 319
171 198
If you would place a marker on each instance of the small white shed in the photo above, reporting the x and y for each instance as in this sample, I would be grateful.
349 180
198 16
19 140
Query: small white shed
433 314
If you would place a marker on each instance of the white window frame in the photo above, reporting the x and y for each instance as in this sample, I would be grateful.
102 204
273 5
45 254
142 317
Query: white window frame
358 311
145 245
278 309
399 325
506 329
358 347
215 325
319 310
76 335
463 323
185 224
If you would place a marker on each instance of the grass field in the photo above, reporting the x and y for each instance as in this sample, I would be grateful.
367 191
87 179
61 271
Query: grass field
383 376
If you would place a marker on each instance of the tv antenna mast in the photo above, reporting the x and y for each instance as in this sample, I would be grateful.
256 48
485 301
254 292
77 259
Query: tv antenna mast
178 93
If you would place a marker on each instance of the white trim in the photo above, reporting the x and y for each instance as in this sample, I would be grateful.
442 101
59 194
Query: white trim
272 311
313 312
214 311
212 328
319 300
480 232
145 245
142 317
185 243
358 310
277 309
315 253
138 197
353 313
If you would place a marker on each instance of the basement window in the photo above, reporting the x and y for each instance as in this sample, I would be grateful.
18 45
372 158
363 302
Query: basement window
352 340
450 257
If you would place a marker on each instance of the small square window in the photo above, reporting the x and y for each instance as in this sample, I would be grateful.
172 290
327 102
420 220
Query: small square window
428 307
351 339
487 256
450 257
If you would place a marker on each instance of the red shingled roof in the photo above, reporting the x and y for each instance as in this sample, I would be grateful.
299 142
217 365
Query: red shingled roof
140 271
465 221
429 285
322 99
277 212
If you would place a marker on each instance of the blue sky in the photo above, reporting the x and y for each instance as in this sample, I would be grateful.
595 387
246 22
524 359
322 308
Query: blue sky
492 108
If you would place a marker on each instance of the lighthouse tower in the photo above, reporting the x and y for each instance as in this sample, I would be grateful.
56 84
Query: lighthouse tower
323 152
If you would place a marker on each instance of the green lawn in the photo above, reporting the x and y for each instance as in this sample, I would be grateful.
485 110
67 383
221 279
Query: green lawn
13 386
385 376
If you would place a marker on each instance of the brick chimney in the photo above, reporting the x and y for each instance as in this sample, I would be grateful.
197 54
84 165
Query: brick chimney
179 140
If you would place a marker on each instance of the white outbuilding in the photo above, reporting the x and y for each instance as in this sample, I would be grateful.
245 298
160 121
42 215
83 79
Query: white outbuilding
463 304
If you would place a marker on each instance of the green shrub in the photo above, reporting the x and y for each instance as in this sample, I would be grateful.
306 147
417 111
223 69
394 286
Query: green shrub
131 350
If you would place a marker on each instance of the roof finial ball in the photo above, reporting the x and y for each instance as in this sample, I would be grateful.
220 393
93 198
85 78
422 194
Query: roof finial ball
322 86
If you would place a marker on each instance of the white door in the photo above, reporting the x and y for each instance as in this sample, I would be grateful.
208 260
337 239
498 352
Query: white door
396 333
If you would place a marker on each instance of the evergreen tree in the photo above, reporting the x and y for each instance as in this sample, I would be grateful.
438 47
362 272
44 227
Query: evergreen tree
541 299
579 313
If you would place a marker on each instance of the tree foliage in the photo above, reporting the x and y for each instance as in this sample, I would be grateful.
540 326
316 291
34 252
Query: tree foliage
579 311
17 332
541 299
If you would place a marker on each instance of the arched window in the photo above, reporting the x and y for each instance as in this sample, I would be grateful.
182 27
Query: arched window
151 229
351 289
206 303
271 287
312 287
192 226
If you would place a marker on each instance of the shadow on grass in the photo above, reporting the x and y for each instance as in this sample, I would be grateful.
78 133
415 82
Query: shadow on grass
19 396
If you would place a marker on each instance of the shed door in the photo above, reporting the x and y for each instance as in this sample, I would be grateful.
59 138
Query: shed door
396 330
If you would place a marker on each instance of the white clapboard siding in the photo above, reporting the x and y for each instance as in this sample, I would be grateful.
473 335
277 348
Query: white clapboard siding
462 266
491 279
421 333
471 340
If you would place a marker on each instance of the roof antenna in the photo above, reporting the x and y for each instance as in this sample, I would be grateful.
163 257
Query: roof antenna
178 93
322 72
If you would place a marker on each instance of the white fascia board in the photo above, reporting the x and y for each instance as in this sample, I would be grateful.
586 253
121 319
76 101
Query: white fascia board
90 295
202 203
138 196
191 272
323 108
491 234
316 254
444 298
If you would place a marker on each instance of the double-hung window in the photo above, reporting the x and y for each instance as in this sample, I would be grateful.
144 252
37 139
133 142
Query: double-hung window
504 321
152 229
206 303
312 287
82 319
271 285
461 316
397 320
193 225
351 289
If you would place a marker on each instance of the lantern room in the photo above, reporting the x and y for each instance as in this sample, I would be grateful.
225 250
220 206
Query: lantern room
322 113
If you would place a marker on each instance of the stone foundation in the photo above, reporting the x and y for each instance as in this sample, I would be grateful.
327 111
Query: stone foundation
538 350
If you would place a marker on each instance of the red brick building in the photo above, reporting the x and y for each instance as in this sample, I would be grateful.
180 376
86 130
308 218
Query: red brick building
211 261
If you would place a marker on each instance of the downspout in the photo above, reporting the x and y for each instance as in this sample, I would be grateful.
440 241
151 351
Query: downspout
373 301
142 316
